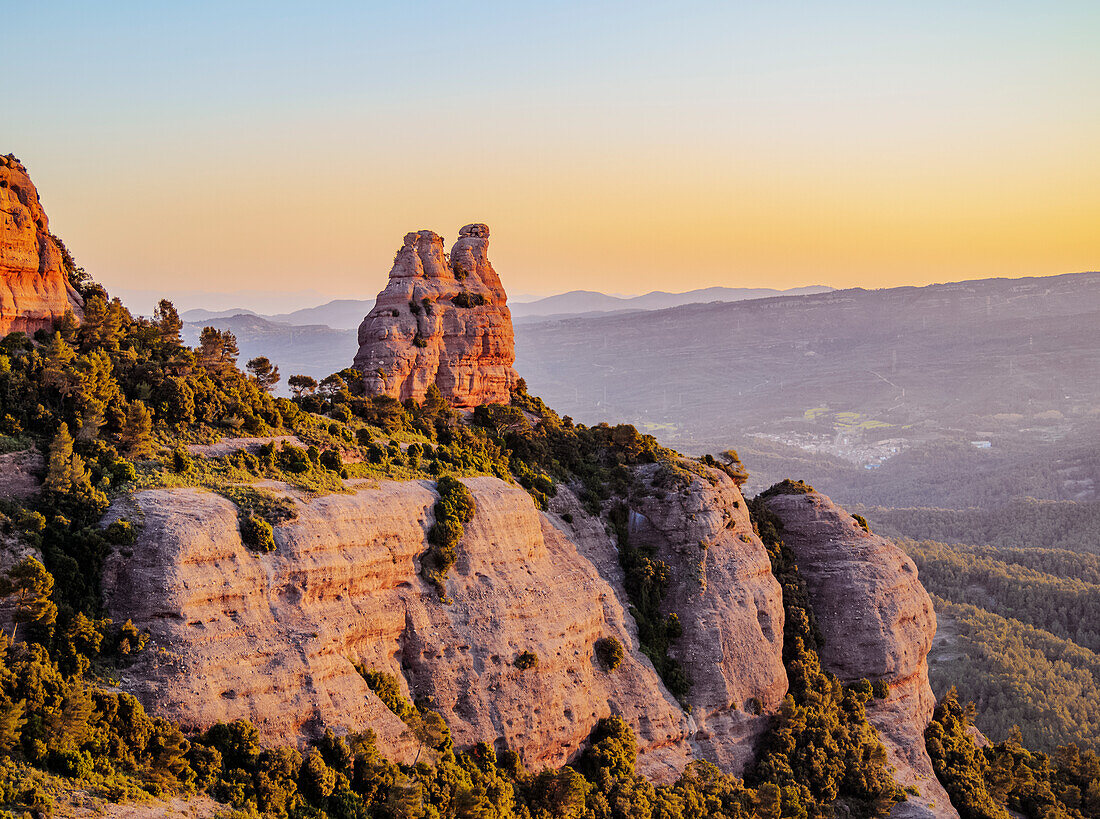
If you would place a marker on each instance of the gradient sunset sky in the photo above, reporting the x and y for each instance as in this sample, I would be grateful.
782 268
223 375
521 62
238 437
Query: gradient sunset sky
622 147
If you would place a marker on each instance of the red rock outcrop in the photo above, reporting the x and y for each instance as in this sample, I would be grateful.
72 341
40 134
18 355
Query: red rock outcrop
273 638
34 290
729 604
878 623
442 319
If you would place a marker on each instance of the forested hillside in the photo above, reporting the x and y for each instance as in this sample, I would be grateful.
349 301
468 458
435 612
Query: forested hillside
1019 631
1052 524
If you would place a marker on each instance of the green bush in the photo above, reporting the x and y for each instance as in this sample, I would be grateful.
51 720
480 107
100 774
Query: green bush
387 689
331 460
454 508
274 509
181 460
526 660
787 487
466 299
610 652
120 533
257 534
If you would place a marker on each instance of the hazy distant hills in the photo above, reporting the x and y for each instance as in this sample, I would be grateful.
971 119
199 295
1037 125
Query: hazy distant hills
341 314
588 301
312 349
346 314
849 379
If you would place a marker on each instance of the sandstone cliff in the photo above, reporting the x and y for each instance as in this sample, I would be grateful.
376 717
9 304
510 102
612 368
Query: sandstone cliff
273 638
34 289
878 623
442 319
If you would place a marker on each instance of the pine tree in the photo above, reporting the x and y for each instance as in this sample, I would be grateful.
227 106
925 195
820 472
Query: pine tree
169 324
136 436
264 372
66 467
30 586
59 358
302 384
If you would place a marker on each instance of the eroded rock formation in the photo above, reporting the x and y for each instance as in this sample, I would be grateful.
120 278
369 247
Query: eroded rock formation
442 319
274 638
34 289
878 623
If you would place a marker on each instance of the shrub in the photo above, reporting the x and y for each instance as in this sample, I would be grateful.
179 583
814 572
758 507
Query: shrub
331 460
293 459
862 521
387 689
419 341
465 299
787 487
454 508
120 533
610 652
273 508
257 534
526 660
181 460
122 471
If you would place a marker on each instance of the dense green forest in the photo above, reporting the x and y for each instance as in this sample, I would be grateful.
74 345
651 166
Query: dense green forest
1028 522
1018 636
1018 675
1064 606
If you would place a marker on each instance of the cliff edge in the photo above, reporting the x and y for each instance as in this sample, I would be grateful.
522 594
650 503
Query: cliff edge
878 623
34 288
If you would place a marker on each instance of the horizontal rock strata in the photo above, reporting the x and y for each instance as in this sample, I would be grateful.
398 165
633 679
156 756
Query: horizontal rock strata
273 638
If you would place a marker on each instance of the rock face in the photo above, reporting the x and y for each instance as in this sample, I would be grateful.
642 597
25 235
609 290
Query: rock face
442 319
34 290
730 606
878 623
273 638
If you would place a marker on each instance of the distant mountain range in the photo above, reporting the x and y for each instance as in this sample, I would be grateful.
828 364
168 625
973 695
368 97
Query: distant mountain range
341 314
851 382
346 314
588 301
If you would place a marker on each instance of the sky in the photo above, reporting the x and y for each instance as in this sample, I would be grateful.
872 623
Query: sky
278 152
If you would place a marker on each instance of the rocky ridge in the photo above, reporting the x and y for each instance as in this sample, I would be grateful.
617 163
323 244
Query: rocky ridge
878 623
34 289
274 638
442 319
